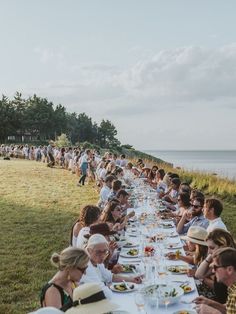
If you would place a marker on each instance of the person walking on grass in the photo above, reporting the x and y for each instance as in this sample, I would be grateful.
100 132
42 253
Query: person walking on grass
83 164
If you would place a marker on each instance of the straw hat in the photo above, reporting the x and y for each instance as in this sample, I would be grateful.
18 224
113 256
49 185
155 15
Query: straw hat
197 235
89 298
47 310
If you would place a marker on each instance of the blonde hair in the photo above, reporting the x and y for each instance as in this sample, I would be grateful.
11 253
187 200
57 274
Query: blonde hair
70 257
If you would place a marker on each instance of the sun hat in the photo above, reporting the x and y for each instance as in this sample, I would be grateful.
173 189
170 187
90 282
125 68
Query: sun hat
197 235
96 239
101 228
89 298
47 310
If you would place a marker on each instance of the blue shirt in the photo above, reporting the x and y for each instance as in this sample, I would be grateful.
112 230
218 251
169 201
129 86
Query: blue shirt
200 221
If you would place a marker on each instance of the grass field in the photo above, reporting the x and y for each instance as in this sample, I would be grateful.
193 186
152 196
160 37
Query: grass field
37 208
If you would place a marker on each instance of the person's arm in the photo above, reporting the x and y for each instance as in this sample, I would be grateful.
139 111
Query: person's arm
181 223
213 304
204 270
53 298
118 277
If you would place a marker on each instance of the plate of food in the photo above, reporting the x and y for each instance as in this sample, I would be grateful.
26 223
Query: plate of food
130 253
187 288
128 268
178 269
167 225
130 244
123 287
173 255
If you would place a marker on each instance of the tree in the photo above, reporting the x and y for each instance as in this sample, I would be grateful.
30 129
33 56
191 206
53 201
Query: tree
62 141
7 118
59 117
40 115
107 134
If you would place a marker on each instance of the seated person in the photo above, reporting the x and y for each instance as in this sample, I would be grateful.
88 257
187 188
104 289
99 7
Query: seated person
224 265
212 211
105 190
89 215
72 264
216 239
89 299
196 245
172 194
98 250
197 217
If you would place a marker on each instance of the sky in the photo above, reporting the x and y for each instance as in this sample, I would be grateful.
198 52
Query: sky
164 72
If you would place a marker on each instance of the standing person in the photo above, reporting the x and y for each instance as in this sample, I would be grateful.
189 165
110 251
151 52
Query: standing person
72 264
83 163
51 162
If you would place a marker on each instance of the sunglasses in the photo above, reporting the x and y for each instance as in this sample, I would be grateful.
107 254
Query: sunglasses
215 267
196 206
83 270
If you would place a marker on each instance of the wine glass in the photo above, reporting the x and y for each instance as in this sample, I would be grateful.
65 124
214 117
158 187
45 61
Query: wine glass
139 300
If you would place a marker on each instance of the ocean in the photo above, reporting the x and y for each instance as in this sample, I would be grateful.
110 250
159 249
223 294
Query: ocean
223 163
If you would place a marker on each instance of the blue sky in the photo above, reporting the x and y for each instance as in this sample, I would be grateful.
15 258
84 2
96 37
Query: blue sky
163 71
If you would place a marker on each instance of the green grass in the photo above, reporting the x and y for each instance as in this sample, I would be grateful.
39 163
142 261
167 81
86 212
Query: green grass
37 208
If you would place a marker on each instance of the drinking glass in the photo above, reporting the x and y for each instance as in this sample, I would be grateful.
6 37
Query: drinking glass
139 300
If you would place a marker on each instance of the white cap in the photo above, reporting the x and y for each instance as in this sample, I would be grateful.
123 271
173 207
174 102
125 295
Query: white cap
96 239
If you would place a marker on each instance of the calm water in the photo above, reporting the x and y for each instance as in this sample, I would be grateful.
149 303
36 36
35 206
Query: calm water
221 162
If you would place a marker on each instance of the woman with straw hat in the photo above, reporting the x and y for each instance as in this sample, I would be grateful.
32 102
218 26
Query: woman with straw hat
89 299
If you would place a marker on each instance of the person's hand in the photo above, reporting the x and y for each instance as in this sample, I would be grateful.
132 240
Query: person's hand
202 300
117 269
112 246
171 256
206 309
116 227
137 279
191 272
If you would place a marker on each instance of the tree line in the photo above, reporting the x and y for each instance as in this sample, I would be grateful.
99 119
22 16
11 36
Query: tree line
42 120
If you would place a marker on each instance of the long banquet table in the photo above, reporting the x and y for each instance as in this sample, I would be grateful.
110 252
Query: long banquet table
127 300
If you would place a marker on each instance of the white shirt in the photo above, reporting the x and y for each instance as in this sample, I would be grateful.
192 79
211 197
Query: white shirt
216 224
81 240
100 275
104 193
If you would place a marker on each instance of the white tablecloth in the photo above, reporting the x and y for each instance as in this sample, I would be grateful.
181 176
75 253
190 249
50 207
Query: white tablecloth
126 300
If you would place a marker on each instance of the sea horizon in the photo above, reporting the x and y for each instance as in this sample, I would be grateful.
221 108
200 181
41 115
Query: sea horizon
221 162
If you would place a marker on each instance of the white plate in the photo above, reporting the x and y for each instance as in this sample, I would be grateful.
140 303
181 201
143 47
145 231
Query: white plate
173 235
172 269
187 311
188 285
130 284
131 270
125 254
130 244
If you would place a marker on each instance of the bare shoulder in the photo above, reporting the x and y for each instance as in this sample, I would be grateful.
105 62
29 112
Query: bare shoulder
53 297
77 227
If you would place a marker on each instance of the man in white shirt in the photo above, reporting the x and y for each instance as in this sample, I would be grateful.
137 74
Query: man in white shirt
98 250
212 211
105 191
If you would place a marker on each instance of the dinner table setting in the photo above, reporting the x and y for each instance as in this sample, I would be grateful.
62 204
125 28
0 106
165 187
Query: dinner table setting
145 247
